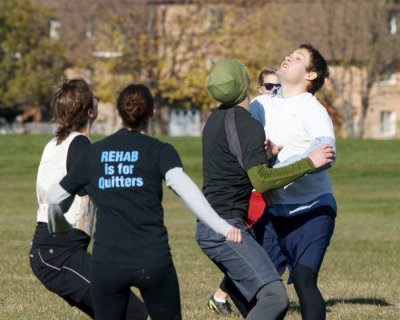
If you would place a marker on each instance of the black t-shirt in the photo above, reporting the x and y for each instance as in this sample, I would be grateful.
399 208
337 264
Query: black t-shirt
225 182
124 174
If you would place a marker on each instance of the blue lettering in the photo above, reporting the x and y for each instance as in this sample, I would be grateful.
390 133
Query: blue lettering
119 182
119 156
139 182
135 156
104 156
108 169
111 156
101 183
127 157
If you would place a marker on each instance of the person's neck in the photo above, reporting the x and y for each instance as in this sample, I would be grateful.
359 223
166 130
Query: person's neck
141 130
290 91
245 103
87 131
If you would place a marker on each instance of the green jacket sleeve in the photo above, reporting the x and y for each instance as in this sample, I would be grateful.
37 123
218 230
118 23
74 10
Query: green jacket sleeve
265 179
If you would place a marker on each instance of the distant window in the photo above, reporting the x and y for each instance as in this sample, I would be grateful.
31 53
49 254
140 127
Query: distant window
184 122
88 32
55 27
393 23
388 123
215 18
107 54
388 79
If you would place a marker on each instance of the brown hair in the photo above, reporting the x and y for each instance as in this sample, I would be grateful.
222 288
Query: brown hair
318 65
135 105
264 72
70 105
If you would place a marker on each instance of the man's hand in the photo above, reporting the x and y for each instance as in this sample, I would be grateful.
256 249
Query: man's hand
271 148
322 156
234 235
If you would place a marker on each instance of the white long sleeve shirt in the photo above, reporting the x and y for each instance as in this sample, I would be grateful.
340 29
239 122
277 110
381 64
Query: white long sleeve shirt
295 123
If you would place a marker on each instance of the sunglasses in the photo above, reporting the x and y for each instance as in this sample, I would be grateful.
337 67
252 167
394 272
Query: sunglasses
270 86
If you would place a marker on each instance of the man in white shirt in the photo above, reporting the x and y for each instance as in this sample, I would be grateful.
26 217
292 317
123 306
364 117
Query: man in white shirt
297 227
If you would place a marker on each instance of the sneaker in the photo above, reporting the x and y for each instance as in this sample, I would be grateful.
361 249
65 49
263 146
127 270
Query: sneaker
222 308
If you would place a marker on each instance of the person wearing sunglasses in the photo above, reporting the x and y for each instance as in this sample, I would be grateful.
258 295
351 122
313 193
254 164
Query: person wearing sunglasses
268 81
269 84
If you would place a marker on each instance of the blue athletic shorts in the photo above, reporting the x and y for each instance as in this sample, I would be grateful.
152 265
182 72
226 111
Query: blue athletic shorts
301 239
246 263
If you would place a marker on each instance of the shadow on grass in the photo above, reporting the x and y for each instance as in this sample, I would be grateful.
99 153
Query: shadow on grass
371 301
363 301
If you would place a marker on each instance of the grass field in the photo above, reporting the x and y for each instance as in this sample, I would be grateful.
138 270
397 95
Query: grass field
359 278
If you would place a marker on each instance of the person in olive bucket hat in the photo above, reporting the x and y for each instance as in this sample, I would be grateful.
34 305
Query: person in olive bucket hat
229 82
235 162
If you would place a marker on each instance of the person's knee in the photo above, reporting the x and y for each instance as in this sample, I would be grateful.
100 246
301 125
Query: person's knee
274 292
304 277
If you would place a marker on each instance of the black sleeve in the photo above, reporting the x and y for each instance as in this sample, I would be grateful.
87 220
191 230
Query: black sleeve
79 176
169 159
76 148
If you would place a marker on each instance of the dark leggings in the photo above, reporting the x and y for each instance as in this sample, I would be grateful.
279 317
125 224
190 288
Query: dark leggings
66 272
312 304
135 309
158 286
270 303
238 299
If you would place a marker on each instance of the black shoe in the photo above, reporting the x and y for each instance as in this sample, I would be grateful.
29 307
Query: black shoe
222 308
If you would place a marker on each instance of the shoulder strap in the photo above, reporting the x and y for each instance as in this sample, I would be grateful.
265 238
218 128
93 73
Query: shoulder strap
232 135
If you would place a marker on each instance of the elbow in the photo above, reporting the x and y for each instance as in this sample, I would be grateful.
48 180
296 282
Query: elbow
265 188
259 184
261 187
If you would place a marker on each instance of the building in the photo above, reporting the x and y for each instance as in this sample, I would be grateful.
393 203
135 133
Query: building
183 38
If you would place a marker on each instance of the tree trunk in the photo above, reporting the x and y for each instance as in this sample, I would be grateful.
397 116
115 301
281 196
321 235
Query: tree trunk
364 110
348 119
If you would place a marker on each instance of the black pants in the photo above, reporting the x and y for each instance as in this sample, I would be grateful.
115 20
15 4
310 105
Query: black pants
158 286
65 270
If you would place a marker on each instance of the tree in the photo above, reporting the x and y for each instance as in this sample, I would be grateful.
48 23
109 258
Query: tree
173 46
364 51
30 62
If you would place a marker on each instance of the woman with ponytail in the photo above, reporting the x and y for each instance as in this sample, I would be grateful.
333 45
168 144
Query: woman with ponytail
61 263
125 174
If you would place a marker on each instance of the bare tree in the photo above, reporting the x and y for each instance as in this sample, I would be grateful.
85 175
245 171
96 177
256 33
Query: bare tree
363 50
172 46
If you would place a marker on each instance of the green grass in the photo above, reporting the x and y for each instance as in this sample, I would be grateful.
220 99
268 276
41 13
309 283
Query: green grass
359 278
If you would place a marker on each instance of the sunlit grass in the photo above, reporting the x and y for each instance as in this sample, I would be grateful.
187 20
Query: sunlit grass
359 278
